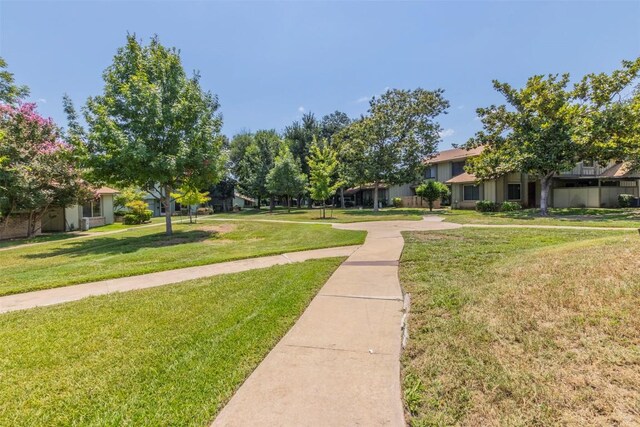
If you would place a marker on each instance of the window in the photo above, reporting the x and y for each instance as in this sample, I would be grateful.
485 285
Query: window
513 192
457 168
92 209
471 192
430 173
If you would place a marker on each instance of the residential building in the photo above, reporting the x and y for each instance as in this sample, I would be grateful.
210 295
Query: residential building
588 184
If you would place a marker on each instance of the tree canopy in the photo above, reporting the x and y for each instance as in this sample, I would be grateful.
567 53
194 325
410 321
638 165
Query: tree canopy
286 178
38 167
390 143
323 173
253 157
153 126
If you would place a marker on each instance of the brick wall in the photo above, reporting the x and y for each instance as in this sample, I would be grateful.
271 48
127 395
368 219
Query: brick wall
16 226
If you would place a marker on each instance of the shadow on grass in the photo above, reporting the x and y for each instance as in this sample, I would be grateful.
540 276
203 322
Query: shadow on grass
124 245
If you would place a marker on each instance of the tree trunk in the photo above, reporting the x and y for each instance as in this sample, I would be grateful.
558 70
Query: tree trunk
299 199
545 186
259 201
288 204
430 205
31 226
375 196
272 204
342 197
167 210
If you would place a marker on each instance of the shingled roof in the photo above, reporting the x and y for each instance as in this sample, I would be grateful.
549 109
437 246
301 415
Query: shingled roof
453 154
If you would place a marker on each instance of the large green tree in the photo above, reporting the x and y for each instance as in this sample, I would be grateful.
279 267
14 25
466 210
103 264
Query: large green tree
390 143
252 157
330 125
323 173
549 125
286 178
153 126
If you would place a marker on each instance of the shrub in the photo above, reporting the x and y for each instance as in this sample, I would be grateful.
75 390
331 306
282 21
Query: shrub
432 191
510 206
625 200
397 202
138 213
486 206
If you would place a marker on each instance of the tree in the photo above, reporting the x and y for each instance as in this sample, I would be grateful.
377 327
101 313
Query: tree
188 194
153 127
432 191
299 137
608 122
127 195
330 125
549 127
323 168
390 143
38 167
252 156
10 93
286 179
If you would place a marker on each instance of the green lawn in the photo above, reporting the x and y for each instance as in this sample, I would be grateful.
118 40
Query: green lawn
146 250
522 327
49 237
625 218
335 215
163 356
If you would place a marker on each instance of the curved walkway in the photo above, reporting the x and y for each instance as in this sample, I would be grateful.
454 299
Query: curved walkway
340 363
75 292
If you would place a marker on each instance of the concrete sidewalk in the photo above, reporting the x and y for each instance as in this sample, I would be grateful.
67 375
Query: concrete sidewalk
72 293
340 363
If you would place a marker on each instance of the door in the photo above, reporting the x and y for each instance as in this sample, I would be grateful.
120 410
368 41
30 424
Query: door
531 191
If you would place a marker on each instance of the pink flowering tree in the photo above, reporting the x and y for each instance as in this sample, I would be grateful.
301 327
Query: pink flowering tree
37 167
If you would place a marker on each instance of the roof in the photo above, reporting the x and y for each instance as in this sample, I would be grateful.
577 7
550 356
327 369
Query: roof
106 190
453 155
354 190
463 178
243 197
620 170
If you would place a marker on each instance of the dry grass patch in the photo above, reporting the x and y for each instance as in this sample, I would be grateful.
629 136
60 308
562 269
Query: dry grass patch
524 327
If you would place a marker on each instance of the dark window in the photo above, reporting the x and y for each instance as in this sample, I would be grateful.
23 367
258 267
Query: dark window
471 192
457 168
97 208
513 191
430 172
92 209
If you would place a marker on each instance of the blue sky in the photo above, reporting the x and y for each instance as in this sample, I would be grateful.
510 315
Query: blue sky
270 61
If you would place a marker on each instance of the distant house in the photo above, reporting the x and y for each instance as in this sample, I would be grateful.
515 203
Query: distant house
94 213
243 201
586 185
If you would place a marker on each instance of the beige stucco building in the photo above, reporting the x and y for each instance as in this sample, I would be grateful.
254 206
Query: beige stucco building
586 185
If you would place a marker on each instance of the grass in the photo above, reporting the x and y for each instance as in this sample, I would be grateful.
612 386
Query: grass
146 250
522 327
163 356
49 237
335 215
625 218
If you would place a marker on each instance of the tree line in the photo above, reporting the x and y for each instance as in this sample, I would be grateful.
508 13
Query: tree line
155 128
